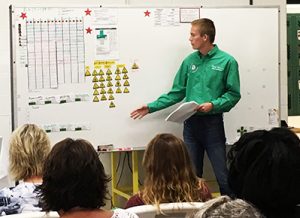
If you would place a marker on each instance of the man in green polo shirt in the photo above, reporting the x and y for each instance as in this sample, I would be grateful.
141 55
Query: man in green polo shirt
209 77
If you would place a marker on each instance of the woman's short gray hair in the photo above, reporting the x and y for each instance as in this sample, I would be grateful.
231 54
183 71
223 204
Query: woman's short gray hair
225 207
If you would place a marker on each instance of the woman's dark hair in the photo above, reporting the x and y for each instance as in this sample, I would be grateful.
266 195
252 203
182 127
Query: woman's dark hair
73 177
265 170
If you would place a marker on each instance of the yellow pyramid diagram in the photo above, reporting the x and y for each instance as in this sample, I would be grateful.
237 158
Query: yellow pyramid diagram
87 73
102 85
95 73
110 91
103 98
102 91
125 76
124 70
96 86
118 90
118 84
96 99
126 90
108 78
118 77
101 73
109 84
134 66
111 105
108 72
117 71
126 83
101 79
95 79
96 92
111 97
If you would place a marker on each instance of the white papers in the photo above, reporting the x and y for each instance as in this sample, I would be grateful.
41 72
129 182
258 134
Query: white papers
187 15
184 111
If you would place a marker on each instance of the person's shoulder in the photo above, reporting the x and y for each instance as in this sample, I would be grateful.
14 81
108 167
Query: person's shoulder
135 200
5 191
121 213
225 54
24 189
191 58
204 190
9 203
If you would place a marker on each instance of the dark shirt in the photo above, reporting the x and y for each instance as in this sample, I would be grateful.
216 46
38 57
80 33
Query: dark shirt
135 200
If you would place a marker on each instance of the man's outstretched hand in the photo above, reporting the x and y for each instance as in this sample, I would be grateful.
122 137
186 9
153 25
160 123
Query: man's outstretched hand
140 112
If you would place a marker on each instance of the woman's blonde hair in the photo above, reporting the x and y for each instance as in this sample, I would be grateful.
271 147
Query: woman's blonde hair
169 176
28 149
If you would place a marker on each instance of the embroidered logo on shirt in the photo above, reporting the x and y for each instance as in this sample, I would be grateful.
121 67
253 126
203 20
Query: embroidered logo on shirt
217 68
194 68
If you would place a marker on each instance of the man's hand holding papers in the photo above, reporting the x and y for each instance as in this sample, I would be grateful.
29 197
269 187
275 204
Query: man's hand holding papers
184 111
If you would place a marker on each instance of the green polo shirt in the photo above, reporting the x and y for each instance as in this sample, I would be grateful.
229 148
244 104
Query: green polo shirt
211 78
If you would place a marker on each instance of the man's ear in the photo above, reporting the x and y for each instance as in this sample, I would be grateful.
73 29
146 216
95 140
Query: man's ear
205 37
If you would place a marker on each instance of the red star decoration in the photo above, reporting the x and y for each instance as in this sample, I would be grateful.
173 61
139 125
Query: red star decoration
87 12
23 15
147 13
88 30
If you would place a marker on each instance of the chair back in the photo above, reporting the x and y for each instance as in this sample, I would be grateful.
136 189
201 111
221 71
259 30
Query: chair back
176 210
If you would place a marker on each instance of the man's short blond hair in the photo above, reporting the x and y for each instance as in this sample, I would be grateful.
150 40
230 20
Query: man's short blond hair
206 26
28 148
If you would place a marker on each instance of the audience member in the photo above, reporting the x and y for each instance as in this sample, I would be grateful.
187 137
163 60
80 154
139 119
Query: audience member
169 176
28 148
225 207
74 182
265 170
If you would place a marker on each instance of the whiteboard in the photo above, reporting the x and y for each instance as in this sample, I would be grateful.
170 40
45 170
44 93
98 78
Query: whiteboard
130 57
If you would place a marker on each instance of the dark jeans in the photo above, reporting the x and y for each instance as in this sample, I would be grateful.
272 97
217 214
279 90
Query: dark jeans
206 133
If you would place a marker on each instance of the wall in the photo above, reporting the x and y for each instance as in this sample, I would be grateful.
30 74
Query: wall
5 110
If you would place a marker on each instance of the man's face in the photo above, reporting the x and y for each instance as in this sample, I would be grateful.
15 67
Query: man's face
197 41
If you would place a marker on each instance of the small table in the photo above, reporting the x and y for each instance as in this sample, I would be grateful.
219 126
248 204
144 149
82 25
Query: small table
122 191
